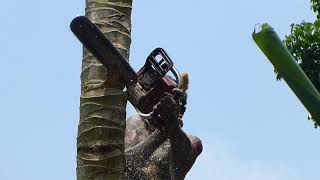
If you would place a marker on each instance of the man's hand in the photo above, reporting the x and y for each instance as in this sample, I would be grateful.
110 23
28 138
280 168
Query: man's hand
180 97
165 115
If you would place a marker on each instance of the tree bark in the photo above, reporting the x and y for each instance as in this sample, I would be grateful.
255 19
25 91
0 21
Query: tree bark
101 131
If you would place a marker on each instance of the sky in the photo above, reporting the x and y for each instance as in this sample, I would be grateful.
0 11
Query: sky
252 127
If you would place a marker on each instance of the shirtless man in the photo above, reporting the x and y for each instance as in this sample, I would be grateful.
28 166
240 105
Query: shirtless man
159 149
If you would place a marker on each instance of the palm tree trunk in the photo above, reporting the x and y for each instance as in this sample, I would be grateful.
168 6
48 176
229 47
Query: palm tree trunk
101 131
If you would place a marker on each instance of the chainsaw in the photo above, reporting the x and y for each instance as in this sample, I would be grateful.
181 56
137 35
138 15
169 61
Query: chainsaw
145 88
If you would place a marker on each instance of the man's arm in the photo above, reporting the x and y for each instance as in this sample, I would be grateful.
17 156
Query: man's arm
184 150
140 145
145 148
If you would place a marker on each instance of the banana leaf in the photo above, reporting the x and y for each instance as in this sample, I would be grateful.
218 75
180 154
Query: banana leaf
285 64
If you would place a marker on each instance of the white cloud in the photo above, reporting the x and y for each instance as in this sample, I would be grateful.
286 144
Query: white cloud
217 162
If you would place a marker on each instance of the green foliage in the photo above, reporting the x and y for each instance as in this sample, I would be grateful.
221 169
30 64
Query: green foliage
315 5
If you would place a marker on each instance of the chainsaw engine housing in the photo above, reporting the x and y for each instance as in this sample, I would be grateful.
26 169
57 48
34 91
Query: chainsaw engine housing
152 81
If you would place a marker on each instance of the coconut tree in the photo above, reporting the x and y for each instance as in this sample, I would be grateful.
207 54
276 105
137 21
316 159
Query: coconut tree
101 130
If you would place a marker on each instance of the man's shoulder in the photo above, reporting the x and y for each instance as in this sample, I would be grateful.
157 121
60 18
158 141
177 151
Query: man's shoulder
134 122
135 131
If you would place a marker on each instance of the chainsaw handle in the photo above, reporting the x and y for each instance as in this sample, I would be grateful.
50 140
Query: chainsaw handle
172 68
177 75
143 115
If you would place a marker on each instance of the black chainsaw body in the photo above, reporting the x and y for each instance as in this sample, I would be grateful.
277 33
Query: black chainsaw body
145 88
